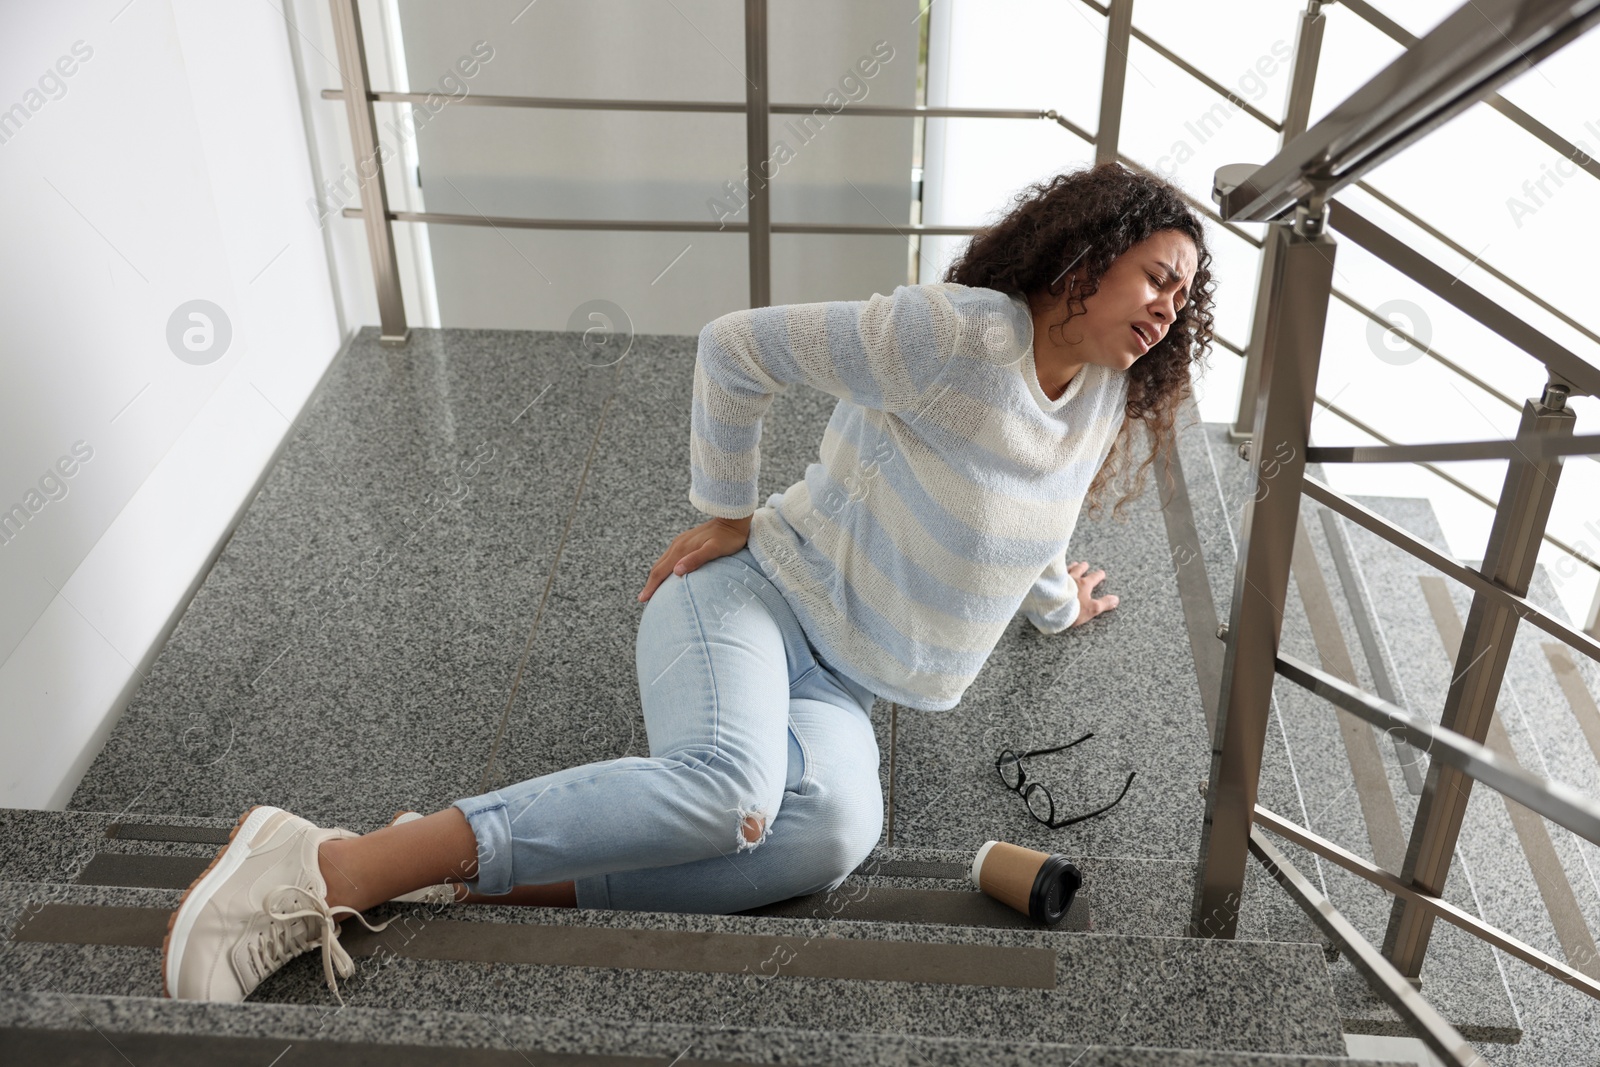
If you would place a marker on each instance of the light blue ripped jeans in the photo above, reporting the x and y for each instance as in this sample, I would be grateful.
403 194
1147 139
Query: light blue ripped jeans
762 778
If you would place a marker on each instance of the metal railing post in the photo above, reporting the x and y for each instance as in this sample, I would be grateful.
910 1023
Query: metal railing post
369 171
1480 665
1119 27
755 140
1297 302
1302 80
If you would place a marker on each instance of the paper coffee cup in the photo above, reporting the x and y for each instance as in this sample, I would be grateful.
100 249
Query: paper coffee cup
1040 885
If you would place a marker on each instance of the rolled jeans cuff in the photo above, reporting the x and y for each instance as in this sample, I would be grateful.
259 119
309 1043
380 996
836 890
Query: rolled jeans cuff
486 815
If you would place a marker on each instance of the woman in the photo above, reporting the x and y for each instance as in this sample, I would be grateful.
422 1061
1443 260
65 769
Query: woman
975 417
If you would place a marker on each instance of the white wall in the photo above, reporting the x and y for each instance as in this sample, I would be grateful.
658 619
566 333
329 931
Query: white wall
171 165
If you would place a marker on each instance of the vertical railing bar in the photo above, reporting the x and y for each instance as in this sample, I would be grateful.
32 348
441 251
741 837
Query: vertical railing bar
1297 298
1480 665
1119 27
369 171
1302 81
755 141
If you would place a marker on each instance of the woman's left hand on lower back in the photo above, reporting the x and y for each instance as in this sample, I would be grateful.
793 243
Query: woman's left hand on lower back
1090 606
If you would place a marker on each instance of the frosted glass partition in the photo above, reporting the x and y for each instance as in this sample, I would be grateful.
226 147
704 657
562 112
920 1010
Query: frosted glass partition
830 166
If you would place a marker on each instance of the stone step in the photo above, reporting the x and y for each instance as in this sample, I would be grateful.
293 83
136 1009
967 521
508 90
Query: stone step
1323 769
1531 878
933 980
354 651
96 1030
1118 895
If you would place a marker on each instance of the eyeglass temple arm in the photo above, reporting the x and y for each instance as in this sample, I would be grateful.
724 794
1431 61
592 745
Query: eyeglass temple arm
1058 748
1097 811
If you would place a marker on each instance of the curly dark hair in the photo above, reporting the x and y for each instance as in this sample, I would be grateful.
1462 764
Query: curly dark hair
1084 219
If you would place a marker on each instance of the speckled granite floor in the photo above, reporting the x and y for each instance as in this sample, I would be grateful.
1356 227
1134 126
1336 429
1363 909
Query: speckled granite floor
442 509
354 649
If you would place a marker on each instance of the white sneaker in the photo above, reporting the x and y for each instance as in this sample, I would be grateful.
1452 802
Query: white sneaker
260 903
441 894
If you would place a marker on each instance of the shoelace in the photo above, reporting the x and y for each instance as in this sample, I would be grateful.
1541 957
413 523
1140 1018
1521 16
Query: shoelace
287 939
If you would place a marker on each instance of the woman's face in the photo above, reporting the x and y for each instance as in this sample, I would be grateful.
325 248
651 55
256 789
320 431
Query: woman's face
1135 305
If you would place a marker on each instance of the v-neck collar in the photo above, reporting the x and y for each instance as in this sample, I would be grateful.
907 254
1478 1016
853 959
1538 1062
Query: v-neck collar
1030 369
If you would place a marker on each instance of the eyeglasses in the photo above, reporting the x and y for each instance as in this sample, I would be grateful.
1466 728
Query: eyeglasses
1040 804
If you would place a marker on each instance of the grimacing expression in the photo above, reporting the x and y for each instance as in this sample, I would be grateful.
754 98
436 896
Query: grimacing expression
1137 301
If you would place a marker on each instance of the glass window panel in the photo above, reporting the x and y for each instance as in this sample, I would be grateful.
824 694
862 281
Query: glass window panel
828 165
534 279
1045 54
1352 52
555 48
976 168
1510 208
1563 92
1186 144
1248 51
1416 16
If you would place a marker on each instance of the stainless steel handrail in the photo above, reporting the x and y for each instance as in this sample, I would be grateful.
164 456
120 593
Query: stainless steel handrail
1551 138
1300 100
1413 95
1482 45
758 201
1439 76
1521 606
1556 801
908 229
369 180
1392 884
586 103
1446 476
1456 451
1424 1019
1113 80
519 222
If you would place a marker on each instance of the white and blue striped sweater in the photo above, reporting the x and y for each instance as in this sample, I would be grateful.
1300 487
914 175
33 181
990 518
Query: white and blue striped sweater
948 484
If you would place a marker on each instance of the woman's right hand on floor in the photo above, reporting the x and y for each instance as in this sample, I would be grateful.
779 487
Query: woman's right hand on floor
700 544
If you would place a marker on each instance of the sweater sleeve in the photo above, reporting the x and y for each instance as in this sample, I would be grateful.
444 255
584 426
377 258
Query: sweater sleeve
885 353
1052 604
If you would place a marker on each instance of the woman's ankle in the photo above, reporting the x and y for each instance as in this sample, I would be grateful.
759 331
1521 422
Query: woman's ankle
342 890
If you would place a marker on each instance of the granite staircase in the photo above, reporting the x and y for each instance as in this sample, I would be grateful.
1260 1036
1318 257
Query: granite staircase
1370 613
434 591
